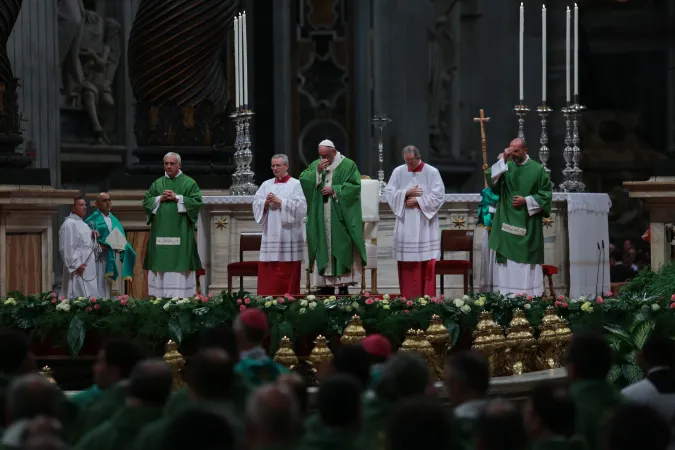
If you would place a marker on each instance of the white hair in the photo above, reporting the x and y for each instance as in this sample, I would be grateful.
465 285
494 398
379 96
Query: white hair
412 150
172 155
282 157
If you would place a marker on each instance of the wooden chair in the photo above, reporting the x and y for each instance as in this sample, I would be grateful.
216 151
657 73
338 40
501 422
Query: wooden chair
456 241
248 242
549 271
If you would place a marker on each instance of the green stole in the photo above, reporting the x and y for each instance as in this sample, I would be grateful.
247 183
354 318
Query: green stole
516 235
127 257
346 222
172 246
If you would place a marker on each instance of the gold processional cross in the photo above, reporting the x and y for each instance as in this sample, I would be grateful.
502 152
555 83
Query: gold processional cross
483 143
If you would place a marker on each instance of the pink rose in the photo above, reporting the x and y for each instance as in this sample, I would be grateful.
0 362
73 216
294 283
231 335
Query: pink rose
557 304
369 301
204 299
238 301
564 304
405 311
673 297
54 294
247 300
290 298
599 300
210 295
62 298
123 302
242 308
672 305
403 300
608 294
434 300
530 298
54 300
561 297
97 306
282 301
366 294
88 309
93 299
409 303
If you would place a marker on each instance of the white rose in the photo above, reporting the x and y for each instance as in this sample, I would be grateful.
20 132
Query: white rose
466 298
527 306
312 305
310 297
385 296
303 303
302 310
466 309
655 307
458 302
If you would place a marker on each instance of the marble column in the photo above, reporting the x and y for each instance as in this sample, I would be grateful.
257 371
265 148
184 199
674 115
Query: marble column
33 52
401 74
366 156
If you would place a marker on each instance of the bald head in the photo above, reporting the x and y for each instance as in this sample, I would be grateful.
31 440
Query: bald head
272 417
31 396
150 382
103 203
517 150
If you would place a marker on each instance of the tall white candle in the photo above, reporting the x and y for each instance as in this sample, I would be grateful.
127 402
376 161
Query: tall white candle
245 44
521 45
240 59
576 49
567 55
236 62
543 53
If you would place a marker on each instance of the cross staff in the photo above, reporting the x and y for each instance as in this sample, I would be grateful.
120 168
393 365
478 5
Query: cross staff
482 119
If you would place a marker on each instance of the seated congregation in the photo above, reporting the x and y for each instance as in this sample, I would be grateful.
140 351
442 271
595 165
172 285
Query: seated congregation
236 397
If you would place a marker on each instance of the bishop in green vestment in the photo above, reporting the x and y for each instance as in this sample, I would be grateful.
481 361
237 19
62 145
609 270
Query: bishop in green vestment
172 206
517 237
332 187
104 222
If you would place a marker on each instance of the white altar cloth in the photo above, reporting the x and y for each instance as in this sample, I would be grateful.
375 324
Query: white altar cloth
586 214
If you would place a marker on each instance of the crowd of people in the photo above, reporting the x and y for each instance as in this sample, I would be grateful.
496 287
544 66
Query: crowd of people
236 397
625 263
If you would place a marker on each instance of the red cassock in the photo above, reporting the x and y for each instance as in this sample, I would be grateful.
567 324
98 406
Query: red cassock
417 278
279 278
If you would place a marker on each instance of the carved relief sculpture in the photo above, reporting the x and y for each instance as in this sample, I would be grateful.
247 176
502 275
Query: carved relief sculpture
177 70
10 136
71 26
441 68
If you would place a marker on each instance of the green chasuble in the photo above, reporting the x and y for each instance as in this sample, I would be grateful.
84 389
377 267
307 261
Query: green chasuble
107 405
516 235
172 246
121 430
346 222
127 257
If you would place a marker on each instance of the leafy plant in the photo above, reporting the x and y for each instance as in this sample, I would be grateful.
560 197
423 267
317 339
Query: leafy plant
627 343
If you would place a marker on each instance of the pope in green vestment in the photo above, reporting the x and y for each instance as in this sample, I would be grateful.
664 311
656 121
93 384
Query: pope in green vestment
172 206
332 187
104 223
517 237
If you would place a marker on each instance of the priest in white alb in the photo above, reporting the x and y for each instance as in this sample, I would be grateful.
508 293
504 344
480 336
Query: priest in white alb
517 236
80 251
415 194
280 206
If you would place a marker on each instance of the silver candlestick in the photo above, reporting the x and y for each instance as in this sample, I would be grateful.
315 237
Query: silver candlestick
381 121
576 149
544 110
569 183
521 111
243 178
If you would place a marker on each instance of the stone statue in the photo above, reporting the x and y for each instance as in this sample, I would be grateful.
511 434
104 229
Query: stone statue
10 135
99 55
71 27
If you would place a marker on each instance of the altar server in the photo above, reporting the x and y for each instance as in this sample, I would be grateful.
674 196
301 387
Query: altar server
332 187
517 236
79 249
279 205
415 194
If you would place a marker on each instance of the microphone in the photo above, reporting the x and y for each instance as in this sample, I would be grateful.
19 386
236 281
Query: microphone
93 229
597 273
604 259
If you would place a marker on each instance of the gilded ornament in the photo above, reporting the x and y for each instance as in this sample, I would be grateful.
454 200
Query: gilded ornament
46 372
548 222
410 343
521 344
548 351
459 222
221 223
176 361
439 338
285 355
489 340
354 333
427 352
320 354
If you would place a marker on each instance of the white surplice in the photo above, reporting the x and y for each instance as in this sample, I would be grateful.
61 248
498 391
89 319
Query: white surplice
353 277
171 284
417 233
513 277
77 247
282 237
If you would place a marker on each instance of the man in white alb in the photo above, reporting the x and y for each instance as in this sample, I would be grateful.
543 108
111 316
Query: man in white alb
279 205
79 249
415 194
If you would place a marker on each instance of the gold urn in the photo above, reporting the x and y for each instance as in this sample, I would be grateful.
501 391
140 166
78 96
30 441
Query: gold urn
548 356
564 334
521 344
354 333
176 361
320 354
427 352
285 355
438 336
46 372
410 343
489 340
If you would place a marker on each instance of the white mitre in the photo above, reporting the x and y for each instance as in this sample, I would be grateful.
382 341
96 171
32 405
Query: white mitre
326 143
